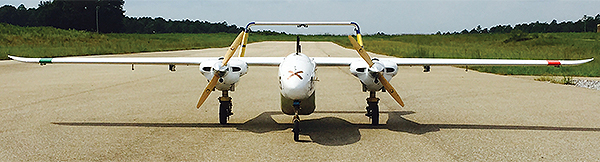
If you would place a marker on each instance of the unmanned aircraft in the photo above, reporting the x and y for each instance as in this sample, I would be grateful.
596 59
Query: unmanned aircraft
296 73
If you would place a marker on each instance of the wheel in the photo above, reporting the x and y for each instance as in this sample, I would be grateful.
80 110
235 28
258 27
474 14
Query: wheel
224 112
374 114
296 130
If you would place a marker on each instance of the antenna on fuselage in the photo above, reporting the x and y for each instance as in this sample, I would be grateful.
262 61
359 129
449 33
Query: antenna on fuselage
298 47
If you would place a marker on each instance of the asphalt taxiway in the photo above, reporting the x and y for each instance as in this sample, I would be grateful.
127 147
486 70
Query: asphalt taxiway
64 112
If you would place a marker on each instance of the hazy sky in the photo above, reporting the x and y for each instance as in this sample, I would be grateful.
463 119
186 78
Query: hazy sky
389 16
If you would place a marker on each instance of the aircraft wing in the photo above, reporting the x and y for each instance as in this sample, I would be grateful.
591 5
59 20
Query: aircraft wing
117 60
261 61
335 61
341 61
257 61
503 62
274 61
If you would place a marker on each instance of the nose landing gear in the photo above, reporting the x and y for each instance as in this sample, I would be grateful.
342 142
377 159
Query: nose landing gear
373 108
296 121
225 108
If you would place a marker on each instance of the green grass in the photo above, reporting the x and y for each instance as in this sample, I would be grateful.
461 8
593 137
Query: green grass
567 80
51 42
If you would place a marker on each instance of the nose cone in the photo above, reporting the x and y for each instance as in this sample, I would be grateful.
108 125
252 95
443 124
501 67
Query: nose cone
295 76
377 67
295 89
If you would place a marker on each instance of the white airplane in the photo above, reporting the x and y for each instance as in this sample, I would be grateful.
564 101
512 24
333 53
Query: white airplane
297 71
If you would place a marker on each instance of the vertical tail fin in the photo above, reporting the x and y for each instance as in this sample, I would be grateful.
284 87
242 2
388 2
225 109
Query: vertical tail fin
298 47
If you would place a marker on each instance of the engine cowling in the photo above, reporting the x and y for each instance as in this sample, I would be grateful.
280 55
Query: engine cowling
230 74
368 75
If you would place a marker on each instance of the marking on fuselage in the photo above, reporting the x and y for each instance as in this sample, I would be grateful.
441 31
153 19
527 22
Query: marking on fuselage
295 74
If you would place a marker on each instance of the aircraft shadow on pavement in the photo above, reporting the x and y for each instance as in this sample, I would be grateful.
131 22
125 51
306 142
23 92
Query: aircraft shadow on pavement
333 131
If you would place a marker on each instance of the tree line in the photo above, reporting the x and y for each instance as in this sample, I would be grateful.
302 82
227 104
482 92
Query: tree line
585 24
148 25
104 16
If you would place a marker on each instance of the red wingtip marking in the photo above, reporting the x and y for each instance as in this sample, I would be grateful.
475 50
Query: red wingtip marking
553 62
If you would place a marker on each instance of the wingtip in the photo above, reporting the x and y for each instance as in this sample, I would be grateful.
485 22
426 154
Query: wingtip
24 59
586 61
575 62
16 58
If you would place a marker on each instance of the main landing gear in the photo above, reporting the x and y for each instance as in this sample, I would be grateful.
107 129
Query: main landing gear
373 108
296 121
225 108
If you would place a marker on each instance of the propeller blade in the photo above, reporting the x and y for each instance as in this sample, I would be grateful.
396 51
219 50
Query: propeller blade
236 43
213 82
390 89
244 42
359 39
209 87
363 54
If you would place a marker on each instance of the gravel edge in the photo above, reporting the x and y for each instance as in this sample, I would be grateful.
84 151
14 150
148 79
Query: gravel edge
591 84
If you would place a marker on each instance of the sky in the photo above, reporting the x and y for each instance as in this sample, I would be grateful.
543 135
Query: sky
387 16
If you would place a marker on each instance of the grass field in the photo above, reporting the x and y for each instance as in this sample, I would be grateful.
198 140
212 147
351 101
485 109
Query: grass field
51 42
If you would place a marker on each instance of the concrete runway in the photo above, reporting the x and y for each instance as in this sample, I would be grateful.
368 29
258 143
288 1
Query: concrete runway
110 113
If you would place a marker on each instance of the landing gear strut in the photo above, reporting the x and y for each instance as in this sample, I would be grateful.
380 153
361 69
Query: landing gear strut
373 108
296 121
225 108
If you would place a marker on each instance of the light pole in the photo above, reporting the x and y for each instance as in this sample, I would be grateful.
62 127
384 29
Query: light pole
97 29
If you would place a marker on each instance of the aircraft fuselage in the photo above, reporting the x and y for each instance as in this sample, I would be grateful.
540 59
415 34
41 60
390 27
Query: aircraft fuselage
296 83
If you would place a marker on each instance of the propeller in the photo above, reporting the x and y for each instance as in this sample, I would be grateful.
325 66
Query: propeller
244 42
359 39
388 87
213 82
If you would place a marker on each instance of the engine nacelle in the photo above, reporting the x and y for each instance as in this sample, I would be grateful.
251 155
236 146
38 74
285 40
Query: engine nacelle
368 76
233 71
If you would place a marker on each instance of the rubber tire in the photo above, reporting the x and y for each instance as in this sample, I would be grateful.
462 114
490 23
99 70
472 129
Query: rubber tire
296 130
375 114
223 112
